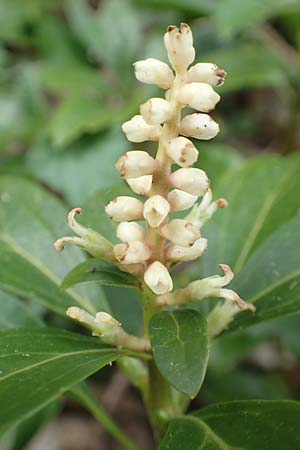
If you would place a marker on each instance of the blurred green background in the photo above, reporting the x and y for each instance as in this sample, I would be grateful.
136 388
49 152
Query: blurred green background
67 84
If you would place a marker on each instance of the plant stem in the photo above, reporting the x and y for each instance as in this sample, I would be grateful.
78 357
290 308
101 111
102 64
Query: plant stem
83 395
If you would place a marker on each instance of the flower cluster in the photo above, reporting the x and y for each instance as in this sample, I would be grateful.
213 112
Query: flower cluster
150 249
164 241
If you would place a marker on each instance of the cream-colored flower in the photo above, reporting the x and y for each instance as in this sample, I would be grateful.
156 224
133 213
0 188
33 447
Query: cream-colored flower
137 130
180 232
193 181
200 96
135 164
179 45
199 126
153 71
156 210
125 209
158 279
182 151
207 73
156 110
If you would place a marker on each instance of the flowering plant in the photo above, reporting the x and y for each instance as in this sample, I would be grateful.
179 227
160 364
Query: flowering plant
159 229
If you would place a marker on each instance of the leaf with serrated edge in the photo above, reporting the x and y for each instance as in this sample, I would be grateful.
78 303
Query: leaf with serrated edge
37 365
180 348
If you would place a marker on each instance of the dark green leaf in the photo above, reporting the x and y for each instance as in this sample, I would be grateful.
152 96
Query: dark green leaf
262 196
31 220
271 277
243 425
180 348
38 365
95 270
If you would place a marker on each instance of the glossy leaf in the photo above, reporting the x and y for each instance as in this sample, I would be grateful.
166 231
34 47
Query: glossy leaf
180 348
95 270
16 313
276 270
262 196
31 220
242 425
37 365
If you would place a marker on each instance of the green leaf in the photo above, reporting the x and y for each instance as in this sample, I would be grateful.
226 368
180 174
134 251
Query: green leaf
38 365
241 62
75 116
233 16
242 425
262 196
87 167
16 313
31 220
271 277
95 270
111 34
180 348
217 160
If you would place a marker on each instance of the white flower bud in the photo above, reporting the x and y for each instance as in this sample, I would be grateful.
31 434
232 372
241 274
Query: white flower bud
137 130
132 252
125 208
178 253
180 200
199 126
141 185
135 164
182 151
158 278
200 96
192 180
130 231
180 232
153 71
156 209
179 45
156 110
207 73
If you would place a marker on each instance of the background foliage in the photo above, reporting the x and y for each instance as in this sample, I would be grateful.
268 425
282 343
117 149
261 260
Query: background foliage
66 84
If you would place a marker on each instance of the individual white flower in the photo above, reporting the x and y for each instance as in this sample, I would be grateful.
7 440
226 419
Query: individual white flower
156 110
182 151
199 126
94 243
132 252
178 253
204 211
153 71
207 73
179 45
156 209
135 164
137 130
130 231
180 200
200 96
180 232
192 180
125 208
158 278
141 185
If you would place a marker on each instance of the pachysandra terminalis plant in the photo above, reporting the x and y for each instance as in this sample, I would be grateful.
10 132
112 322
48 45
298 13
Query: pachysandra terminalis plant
152 240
